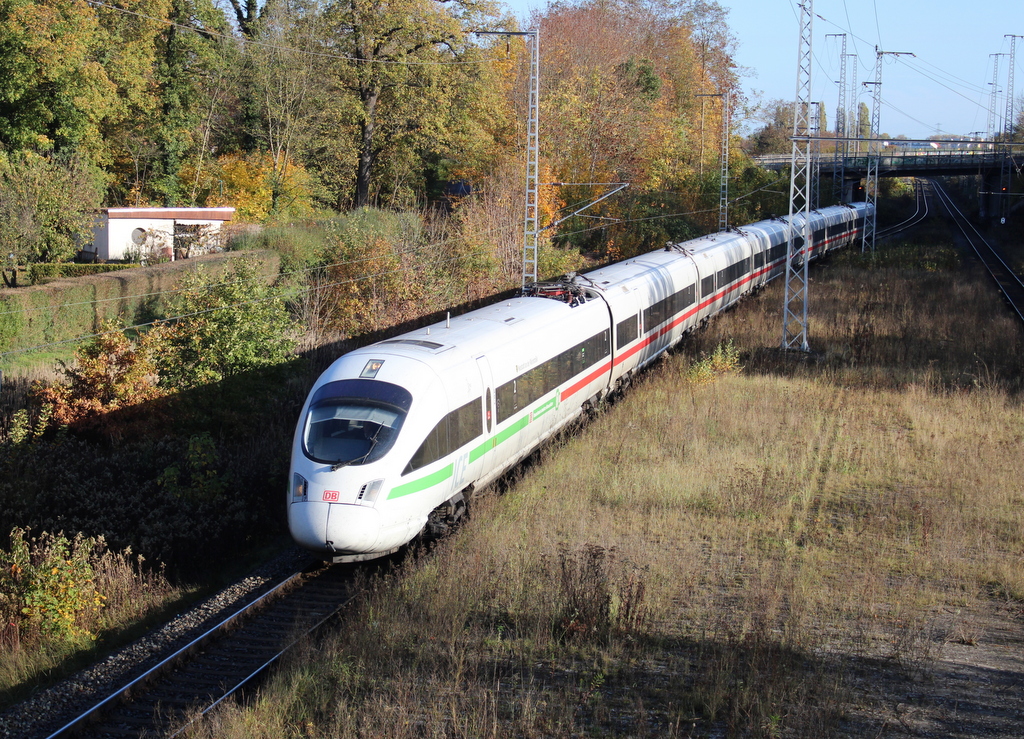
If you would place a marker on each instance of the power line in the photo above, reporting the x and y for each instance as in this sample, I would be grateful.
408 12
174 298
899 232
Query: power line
404 252
171 319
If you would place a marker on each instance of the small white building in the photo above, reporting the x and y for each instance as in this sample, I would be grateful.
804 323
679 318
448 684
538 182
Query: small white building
156 234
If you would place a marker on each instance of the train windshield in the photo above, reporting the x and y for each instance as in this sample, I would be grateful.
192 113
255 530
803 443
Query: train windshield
354 421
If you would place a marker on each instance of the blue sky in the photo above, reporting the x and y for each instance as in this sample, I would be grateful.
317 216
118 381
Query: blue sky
944 88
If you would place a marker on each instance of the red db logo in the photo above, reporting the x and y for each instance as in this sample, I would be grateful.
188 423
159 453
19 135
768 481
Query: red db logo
331 496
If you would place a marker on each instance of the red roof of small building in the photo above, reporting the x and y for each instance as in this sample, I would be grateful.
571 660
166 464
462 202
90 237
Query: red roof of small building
173 214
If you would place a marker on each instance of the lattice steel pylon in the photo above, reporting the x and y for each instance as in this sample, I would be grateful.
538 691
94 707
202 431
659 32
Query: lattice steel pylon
871 177
531 225
993 119
839 156
818 110
875 150
794 307
531 219
1006 170
723 189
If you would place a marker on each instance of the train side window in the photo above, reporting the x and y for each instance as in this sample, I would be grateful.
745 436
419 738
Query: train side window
432 449
545 377
627 331
686 297
464 424
758 259
453 432
506 400
723 277
707 286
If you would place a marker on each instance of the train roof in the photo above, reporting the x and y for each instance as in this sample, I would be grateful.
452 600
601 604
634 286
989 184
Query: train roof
483 329
492 326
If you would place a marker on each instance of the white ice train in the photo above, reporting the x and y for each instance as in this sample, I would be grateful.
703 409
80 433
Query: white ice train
395 436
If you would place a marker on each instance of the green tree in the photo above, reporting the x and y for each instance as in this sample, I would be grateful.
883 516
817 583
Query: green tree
285 93
399 74
53 89
227 325
863 121
191 52
773 136
130 56
46 206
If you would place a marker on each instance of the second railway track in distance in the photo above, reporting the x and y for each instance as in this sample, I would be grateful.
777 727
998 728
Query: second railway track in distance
1008 281
224 660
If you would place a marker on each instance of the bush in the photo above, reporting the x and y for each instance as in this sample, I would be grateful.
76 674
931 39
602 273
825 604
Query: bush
46 585
299 246
227 325
724 359
110 372
41 272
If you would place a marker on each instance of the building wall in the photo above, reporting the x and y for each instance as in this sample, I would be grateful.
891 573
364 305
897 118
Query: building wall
153 238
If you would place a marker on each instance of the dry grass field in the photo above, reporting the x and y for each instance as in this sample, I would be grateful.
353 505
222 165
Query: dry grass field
783 546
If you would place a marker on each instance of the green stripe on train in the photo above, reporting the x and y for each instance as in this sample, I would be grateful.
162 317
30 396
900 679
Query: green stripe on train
549 406
512 430
423 483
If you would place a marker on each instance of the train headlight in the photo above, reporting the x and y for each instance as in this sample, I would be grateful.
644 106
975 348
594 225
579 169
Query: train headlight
299 488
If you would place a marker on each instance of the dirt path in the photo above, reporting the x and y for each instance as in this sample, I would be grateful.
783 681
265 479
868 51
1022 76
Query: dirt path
967 681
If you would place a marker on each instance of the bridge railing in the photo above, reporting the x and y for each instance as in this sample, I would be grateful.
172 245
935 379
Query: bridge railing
908 160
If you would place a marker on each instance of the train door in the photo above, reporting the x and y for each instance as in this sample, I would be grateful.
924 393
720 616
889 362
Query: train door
488 386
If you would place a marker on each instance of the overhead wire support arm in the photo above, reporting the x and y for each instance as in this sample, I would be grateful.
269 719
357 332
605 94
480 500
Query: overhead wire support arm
619 186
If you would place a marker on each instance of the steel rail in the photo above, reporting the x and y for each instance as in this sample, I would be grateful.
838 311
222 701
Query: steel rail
168 662
914 219
248 678
1001 273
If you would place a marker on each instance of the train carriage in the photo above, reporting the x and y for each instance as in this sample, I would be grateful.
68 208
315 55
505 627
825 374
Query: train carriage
395 436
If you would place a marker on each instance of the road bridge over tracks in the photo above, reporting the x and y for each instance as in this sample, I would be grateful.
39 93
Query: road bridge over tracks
895 161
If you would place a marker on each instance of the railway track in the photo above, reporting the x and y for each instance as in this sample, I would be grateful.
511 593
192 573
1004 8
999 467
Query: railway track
1008 282
221 662
921 212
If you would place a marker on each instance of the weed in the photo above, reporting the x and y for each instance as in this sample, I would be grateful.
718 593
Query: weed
723 359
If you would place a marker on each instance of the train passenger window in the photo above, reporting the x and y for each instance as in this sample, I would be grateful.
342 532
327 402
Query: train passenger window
545 377
688 296
432 449
506 400
354 421
707 286
464 424
627 331
452 433
758 259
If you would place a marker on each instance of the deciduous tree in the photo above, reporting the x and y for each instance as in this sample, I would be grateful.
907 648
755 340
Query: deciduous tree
46 206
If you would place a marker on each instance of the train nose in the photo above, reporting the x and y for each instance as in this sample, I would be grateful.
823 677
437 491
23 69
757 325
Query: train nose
307 522
333 529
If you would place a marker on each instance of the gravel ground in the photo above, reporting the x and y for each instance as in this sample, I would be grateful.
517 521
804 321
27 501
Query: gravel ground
54 707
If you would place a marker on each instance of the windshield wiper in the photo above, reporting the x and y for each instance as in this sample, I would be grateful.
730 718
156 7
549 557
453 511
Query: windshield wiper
373 443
